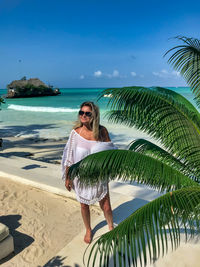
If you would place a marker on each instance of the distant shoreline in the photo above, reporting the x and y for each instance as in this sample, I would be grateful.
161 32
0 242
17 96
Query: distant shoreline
111 87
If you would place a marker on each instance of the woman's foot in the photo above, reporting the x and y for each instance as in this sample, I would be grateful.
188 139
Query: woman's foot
110 227
88 236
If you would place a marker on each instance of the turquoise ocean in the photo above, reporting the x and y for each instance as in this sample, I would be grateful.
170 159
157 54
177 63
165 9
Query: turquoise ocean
52 117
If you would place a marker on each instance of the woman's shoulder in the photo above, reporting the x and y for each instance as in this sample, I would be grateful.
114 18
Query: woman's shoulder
104 133
102 128
77 129
72 133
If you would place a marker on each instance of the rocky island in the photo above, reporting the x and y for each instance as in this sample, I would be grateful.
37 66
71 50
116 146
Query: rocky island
30 88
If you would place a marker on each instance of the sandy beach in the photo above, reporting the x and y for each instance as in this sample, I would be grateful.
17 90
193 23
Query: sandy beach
41 223
47 150
102 77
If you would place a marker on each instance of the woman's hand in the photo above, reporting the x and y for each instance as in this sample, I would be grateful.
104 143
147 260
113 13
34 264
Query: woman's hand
68 184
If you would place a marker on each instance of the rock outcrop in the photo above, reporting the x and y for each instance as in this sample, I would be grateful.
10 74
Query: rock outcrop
30 88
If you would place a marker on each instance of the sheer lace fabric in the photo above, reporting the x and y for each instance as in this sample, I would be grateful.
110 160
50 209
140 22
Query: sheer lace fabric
76 149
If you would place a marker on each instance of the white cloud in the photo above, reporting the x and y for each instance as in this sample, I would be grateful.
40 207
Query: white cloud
164 71
115 73
82 77
176 73
165 74
133 73
98 73
155 73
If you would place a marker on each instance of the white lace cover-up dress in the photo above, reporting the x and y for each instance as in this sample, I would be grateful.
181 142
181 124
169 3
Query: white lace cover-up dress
76 149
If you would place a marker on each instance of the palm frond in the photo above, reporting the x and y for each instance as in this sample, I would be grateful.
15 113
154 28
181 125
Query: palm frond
144 234
163 114
186 59
150 149
128 166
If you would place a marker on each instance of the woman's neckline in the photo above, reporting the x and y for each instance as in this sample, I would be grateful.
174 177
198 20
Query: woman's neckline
90 140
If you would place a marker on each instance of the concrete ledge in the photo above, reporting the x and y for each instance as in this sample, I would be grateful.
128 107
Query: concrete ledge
39 185
4 231
6 247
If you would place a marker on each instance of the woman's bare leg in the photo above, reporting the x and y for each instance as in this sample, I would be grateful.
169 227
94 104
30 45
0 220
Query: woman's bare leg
106 207
85 211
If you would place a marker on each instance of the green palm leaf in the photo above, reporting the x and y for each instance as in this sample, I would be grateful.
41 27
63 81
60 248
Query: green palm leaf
186 59
128 165
163 114
150 149
173 121
148 229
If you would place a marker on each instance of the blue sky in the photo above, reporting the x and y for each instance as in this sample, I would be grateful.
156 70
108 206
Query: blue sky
90 43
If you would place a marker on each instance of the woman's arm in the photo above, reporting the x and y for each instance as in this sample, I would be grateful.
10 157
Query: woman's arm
104 134
68 182
67 161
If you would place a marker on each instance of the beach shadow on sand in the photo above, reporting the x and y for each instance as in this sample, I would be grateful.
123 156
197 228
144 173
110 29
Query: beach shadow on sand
126 209
17 130
58 261
122 212
32 146
21 241
15 154
33 166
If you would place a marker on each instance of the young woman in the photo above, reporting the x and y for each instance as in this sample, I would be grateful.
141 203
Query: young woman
88 137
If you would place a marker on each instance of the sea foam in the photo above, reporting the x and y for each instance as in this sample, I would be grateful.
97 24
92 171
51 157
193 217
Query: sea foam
41 109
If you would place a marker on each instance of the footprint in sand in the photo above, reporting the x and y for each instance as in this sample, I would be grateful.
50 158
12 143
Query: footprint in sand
12 197
33 252
39 208
45 239
4 195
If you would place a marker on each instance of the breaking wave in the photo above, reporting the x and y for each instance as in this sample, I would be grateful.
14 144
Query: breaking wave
41 109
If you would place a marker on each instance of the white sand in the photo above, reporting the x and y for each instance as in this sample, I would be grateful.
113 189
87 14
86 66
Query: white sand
33 148
187 255
50 150
41 223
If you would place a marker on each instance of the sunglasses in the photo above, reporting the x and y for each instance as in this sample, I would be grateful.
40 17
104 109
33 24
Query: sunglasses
87 113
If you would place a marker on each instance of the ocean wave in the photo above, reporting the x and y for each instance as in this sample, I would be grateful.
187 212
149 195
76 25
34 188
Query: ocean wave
41 109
